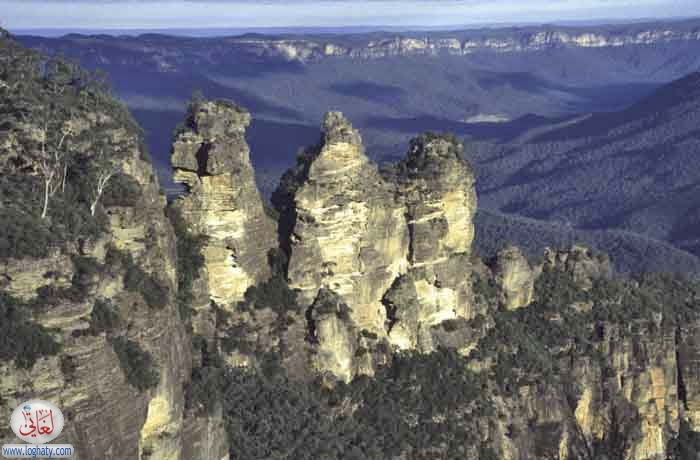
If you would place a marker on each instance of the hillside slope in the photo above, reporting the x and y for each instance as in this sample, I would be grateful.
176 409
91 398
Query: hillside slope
637 169
629 252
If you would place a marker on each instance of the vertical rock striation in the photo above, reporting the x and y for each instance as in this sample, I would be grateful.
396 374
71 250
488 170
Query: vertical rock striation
393 244
515 277
347 231
436 185
211 157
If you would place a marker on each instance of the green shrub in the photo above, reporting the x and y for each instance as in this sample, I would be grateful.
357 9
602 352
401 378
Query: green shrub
154 293
69 366
104 317
21 339
189 262
24 235
139 368
267 415
204 390
485 289
122 190
117 259
274 294
85 270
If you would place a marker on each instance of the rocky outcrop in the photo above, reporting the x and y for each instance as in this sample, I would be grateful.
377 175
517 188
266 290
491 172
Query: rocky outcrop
211 157
436 185
333 329
393 244
516 277
164 58
583 265
346 229
94 390
466 43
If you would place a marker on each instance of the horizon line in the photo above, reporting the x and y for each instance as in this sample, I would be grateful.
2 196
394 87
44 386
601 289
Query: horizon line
379 28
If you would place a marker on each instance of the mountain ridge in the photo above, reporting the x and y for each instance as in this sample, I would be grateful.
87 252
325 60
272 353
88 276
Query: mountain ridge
378 44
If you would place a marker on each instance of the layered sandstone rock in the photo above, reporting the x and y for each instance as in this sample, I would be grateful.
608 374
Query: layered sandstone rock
211 157
436 185
515 277
347 231
393 244
580 262
336 334
96 391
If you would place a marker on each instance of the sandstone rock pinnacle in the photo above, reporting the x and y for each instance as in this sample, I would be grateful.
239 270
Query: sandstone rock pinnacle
394 245
211 157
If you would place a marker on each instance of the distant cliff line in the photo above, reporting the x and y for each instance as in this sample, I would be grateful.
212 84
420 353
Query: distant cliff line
374 45
309 50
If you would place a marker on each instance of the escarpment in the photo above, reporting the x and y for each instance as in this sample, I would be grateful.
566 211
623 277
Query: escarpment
177 327
108 300
89 279
212 159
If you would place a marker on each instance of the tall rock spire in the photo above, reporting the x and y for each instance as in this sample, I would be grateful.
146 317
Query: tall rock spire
347 232
211 157
395 245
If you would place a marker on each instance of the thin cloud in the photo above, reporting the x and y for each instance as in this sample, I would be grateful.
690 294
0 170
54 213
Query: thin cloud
160 14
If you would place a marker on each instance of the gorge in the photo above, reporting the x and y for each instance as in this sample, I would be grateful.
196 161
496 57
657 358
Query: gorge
353 320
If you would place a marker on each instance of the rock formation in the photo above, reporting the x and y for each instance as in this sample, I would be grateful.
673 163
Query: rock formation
211 157
336 335
393 244
580 262
436 185
96 392
346 229
516 277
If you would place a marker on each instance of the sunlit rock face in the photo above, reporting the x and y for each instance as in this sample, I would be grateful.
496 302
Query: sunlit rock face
516 277
518 41
335 332
688 344
348 231
96 392
436 186
393 244
211 157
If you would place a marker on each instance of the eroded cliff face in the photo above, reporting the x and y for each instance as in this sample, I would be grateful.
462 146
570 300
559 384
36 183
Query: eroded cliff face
212 159
346 231
393 244
614 389
436 185
86 379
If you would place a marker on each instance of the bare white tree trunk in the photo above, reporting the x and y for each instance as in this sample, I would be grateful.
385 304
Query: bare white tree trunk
47 185
51 166
102 181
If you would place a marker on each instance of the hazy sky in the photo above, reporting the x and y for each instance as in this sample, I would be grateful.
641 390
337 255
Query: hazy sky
16 14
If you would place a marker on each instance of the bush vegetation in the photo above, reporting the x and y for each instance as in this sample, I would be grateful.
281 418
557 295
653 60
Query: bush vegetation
21 339
45 199
414 407
154 293
139 368
69 366
104 317
189 261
